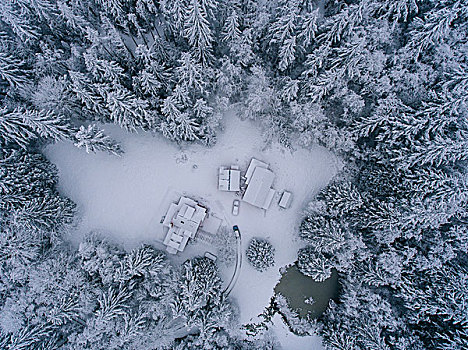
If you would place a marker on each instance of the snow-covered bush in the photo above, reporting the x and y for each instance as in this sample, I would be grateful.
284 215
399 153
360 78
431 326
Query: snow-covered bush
260 254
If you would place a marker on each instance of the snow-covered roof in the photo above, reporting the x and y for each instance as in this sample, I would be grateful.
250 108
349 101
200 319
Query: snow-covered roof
229 180
285 200
183 220
254 163
259 192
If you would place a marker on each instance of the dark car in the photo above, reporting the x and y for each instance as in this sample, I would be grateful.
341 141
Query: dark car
236 230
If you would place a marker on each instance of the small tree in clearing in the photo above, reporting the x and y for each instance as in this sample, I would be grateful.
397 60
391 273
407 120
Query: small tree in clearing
260 254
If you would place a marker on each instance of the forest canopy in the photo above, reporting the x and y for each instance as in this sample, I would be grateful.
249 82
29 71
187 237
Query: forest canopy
381 83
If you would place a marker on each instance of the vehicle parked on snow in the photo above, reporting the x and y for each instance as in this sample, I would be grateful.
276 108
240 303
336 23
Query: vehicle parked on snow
235 207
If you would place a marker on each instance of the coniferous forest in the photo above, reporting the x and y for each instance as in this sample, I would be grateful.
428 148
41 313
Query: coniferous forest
383 84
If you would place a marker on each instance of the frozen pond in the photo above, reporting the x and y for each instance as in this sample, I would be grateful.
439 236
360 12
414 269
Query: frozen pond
297 288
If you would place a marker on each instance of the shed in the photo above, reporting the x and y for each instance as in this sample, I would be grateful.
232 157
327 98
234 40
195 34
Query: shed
211 256
286 199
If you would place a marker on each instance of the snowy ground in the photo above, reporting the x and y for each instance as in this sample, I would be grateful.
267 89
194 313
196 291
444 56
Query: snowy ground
124 197
290 341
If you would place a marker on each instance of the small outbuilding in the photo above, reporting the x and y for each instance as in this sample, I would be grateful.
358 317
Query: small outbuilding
229 179
211 256
286 199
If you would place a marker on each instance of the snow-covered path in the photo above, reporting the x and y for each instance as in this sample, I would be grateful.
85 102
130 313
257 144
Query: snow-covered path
121 196
238 265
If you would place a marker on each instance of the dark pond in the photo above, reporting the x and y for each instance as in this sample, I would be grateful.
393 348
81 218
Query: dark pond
298 288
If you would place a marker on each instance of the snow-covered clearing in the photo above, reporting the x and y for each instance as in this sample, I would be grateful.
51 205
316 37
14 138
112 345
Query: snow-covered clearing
124 197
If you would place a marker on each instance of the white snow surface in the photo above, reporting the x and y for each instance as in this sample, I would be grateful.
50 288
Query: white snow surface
124 197
290 341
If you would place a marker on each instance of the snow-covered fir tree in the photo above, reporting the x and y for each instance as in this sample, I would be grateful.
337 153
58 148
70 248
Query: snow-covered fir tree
93 139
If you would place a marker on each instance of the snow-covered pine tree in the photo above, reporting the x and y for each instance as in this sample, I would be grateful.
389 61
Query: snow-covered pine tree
13 130
340 340
391 121
17 21
324 235
72 18
58 290
231 31
309 27
197 30
66 311
24 175
133 327
85 91
29 337
315 60
148 83
287 53
51 94
190 73
342 198
46 124
261 99
21 126
126 110
437 185
20 247
179 126
115 8
139 263
99 259
439 151
374 275
314 264
154 79
201 110
12 70
175 12
93 139
200 286
186 128
104 70
283 31
114 39
290 90
181 96
112 303
47 213
208 120
435 27
396 10
337 27
171 110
